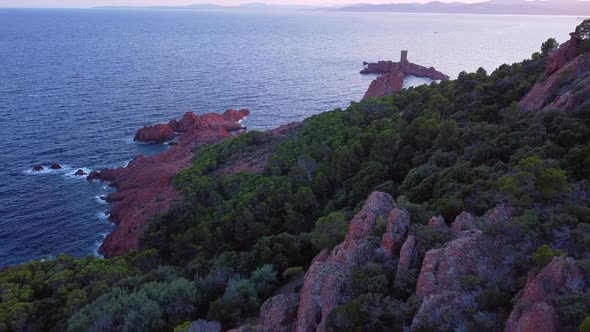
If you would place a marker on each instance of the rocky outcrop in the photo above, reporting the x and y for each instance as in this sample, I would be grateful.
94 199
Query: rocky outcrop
395 232
327 282
55 166
158 133
144 186
442 269
566 52
469 255
438 223
392 75
407 258
566 86
80 172
533 308
385 84
464 221
38 168
501 212
278 313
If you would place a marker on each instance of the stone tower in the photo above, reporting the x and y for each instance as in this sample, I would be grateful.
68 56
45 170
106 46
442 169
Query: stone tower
404 57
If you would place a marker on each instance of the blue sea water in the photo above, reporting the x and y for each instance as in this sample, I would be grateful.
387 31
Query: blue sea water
75 85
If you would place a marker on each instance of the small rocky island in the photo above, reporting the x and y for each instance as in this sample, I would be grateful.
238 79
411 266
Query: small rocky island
392 75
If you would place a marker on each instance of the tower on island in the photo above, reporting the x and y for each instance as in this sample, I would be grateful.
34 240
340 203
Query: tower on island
404 57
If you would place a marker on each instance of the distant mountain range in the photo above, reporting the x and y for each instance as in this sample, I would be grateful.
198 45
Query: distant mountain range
515 7
208 6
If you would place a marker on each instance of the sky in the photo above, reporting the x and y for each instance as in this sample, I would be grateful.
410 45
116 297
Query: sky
94 3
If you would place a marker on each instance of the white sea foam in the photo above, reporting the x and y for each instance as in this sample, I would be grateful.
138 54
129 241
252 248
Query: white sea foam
98 244
48 170
99 199
72 173
104 216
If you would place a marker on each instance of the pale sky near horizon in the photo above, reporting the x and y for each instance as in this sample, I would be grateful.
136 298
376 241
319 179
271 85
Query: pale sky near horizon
94 3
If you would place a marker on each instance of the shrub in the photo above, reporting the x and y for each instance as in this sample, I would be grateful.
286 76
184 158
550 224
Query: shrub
544 255
585 327
330 231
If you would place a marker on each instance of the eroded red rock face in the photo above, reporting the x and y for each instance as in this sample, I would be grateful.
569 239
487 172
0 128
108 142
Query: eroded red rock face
533 309
385 84
328 281
567 82
144 187
395 232
566 52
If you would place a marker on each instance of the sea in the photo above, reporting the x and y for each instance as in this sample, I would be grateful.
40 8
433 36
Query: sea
75 85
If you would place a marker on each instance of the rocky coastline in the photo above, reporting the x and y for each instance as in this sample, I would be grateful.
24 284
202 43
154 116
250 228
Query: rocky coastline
144 187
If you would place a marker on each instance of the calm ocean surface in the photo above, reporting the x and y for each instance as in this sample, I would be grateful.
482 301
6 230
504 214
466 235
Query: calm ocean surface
75 85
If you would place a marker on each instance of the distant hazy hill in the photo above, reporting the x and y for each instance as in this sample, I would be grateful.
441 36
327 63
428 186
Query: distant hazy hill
522 7
246 6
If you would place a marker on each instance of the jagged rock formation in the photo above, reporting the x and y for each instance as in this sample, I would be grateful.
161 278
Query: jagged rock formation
392 75
327 282
468 254
567 83
144 187
533 308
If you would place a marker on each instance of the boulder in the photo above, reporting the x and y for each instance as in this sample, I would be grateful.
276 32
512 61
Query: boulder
533 309
278 313
55 166
80 172
38 168
157 134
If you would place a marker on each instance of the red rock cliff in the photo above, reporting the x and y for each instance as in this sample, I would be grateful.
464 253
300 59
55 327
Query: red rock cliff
567 81
144 187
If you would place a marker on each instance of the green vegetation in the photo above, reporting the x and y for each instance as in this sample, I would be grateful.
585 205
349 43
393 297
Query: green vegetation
549 46
544 255
460 145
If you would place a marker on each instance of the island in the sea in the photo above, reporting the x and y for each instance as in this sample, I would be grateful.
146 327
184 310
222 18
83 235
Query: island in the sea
392 75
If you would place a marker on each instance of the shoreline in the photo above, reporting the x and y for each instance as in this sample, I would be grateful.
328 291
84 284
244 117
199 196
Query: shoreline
143 188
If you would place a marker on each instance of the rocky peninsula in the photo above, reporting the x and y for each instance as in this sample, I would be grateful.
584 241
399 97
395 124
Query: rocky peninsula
144 187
